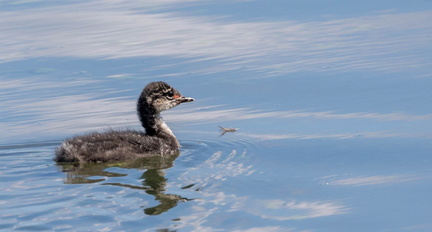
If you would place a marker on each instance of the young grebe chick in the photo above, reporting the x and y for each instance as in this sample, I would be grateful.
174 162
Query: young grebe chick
158 139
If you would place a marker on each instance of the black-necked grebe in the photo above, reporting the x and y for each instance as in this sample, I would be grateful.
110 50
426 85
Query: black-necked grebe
128 144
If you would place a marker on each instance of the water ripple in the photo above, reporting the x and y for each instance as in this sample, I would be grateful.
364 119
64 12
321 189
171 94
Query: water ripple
273 48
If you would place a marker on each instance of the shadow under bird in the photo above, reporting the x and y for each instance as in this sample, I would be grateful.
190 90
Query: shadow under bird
158 139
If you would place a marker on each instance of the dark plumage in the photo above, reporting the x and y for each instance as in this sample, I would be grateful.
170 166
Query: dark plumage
123 145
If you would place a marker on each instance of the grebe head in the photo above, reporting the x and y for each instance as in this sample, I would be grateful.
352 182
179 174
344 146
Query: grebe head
160 96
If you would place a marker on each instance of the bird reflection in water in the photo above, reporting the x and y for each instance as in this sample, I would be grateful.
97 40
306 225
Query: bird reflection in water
154 182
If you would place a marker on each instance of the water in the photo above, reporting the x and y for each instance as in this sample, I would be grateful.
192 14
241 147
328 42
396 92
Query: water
331 101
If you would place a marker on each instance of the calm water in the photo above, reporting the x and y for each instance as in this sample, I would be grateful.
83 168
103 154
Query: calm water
332 101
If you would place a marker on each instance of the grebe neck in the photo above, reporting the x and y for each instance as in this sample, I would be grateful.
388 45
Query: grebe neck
152 122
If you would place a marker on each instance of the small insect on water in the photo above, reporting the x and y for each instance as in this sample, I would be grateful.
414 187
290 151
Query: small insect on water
225 130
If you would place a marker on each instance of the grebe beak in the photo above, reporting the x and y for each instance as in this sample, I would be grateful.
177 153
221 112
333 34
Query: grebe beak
182 99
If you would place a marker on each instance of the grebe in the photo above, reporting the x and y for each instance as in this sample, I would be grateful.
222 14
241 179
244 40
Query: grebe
158 139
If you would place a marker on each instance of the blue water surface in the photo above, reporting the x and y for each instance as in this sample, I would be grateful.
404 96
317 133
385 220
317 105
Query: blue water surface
331 99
